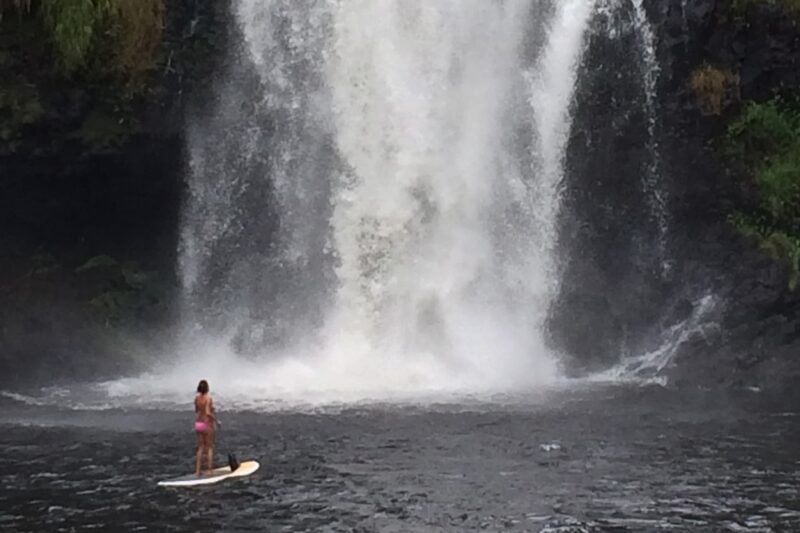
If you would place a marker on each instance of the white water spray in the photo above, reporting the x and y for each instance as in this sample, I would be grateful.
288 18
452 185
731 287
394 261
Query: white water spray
448 123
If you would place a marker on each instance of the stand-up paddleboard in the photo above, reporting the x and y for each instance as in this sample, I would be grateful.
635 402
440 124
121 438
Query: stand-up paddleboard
218 474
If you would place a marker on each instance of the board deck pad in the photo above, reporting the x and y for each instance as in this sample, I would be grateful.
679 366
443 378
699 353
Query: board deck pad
218 474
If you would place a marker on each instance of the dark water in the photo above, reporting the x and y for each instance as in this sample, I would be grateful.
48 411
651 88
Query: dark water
611 459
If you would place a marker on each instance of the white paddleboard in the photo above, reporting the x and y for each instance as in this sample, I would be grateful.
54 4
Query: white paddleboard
218 474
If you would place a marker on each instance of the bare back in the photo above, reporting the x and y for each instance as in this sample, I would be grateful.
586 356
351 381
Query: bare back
204 408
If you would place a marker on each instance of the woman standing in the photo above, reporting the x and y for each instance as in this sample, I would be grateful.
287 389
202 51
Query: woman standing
204 426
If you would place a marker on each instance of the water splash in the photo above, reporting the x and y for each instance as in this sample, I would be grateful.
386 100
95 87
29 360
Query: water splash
649 367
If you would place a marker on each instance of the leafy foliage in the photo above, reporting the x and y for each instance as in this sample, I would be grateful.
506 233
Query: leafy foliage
765 138
102 51
763 131
72 26
128 32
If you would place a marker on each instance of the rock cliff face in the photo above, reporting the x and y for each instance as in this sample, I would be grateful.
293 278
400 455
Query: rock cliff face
90 193
759 334
622 283
87 164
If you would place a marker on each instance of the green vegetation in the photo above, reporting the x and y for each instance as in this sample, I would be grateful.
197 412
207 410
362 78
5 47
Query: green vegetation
95 56
127 32
714 87
765 139
72 26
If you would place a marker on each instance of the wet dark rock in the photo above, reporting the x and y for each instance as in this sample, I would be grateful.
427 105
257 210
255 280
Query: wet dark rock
619 284
590 313
68 199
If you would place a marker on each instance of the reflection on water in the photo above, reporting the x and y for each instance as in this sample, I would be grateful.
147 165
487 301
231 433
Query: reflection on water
612 459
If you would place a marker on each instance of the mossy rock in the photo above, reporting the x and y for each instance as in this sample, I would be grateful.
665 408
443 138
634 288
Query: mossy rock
115 305
19 107
135 277
43 263
104 131
98 261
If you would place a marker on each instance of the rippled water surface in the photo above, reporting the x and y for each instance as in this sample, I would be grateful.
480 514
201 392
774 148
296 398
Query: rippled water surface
605 459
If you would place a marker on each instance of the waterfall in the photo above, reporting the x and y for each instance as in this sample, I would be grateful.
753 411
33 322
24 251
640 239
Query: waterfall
372 204
652 180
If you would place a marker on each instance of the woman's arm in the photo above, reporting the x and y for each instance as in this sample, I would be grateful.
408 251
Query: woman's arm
210 410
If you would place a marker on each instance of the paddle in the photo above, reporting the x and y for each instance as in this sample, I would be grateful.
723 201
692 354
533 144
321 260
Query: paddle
232 461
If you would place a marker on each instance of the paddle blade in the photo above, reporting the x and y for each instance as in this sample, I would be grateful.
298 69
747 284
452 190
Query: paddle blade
233 462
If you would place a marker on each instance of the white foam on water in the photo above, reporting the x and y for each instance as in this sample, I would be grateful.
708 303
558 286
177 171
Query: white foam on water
23 398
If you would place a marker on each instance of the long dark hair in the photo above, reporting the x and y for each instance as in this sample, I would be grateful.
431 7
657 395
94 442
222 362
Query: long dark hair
202 387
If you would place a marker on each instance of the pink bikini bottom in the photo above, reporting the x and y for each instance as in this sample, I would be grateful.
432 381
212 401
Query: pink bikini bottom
201 427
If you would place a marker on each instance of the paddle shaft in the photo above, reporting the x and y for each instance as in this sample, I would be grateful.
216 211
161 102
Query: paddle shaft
232 462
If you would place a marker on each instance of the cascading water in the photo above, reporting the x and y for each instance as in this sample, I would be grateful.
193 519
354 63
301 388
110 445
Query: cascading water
649 367
684 17
617 237
652 180
412 155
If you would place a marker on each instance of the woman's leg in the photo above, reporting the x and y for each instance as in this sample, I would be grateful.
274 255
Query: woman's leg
198 453
208 445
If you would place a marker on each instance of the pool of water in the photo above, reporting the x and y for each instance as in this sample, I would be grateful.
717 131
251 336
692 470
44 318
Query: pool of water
605 458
